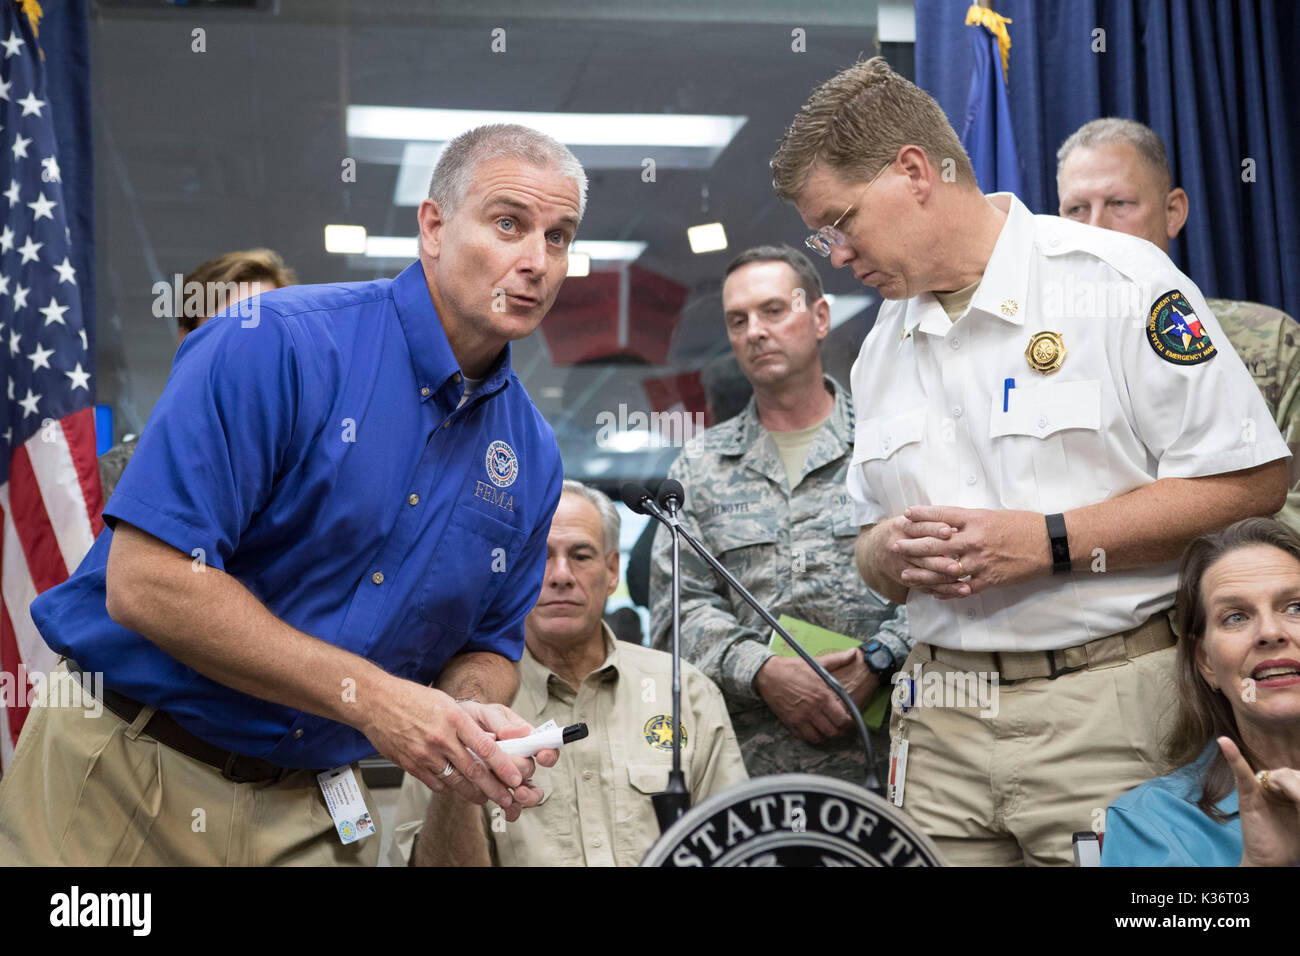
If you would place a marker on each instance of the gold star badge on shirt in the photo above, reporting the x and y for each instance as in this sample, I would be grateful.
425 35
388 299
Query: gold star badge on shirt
1010 307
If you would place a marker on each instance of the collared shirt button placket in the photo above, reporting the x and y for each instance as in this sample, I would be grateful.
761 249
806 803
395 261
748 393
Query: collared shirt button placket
589 786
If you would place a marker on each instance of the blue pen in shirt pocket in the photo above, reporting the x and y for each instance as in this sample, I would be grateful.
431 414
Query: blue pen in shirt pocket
1007 386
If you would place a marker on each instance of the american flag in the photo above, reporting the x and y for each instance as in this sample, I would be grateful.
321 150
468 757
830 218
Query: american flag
49 480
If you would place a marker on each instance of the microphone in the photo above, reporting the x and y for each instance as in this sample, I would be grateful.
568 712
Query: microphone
671 496
635 497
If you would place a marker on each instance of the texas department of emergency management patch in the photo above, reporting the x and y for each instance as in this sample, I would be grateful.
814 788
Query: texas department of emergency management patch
658 731
1175 333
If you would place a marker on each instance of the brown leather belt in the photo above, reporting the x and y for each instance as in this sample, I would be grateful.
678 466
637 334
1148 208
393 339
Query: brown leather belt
164 729
1154 634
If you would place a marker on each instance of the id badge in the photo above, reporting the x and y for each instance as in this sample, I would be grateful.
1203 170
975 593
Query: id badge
897 770
346 805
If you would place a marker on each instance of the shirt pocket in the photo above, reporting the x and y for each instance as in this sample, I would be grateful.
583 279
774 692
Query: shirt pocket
824 579
746 545
651 778
521 843
635 823
476 555
888 450
1048 448
752 561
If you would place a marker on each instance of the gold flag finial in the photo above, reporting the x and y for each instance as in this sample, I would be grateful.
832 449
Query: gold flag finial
996 24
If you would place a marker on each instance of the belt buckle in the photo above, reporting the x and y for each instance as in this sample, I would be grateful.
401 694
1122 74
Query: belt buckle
231 774
1058 671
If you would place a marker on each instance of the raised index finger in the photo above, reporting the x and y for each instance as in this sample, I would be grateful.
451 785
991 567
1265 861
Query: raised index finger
1246 782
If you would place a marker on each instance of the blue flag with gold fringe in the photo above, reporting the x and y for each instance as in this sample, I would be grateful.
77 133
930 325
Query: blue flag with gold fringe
987 134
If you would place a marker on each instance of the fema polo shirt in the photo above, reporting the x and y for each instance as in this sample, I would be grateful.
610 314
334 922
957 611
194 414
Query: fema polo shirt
316 452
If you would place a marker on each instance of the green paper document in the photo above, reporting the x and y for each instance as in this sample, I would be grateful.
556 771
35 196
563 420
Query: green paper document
818 641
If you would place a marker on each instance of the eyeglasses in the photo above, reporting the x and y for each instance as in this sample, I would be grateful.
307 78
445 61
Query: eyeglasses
821 241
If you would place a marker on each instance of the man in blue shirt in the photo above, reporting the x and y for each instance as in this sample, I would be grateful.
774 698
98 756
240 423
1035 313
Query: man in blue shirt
340 498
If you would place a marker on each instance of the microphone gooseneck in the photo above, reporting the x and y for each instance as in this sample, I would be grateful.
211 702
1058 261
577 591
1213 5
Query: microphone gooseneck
671 496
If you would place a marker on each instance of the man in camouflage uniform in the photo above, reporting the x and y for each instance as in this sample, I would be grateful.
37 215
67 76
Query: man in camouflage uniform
1114 173
765 492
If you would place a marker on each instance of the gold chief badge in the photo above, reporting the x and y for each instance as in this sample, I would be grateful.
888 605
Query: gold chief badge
1046 352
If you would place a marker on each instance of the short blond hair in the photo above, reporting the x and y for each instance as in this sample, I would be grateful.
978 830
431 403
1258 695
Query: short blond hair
856 122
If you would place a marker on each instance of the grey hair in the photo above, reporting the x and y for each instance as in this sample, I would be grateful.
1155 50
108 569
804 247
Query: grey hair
1115 129
609 519
456 166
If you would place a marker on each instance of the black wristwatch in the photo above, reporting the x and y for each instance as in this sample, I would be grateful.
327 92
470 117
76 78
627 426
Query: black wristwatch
1060 543
879 660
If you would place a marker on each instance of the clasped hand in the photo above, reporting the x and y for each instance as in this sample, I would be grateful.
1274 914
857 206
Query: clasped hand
954 552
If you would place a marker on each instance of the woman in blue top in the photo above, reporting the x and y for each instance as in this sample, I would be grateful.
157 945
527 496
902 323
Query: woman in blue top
1236 740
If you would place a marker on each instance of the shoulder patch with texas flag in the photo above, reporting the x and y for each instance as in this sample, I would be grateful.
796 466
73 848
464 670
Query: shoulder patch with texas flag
1175 333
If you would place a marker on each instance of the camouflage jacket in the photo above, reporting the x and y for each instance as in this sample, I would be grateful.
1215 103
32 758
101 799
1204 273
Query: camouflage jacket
793 550
1268 341
111 465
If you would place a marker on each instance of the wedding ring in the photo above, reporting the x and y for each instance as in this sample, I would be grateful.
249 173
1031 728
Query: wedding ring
449 770
1262 777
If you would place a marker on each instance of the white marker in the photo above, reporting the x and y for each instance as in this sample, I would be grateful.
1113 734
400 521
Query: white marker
548 737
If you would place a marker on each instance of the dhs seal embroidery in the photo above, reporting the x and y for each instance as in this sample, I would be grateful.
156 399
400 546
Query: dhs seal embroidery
658 732
502 464
1175 333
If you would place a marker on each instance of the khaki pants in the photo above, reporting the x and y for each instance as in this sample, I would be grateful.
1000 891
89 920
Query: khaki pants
1010 789
93 791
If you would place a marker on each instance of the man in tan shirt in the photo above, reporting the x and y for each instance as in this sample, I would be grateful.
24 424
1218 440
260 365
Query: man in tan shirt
597 809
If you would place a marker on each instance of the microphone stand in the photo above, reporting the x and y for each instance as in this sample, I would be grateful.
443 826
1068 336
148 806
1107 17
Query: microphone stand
647 505
676 800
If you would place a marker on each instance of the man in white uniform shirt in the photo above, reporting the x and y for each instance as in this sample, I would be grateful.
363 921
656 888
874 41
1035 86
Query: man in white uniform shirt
1046 414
